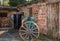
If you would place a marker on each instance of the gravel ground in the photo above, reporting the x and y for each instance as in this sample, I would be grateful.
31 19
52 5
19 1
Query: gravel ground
12 35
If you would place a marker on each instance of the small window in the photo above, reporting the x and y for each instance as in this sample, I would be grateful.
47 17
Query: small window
3 14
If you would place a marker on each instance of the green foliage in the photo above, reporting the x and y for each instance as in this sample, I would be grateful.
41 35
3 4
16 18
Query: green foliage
18 2
13 3
30 1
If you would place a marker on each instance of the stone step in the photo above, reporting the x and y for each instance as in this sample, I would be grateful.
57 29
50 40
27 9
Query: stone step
2 32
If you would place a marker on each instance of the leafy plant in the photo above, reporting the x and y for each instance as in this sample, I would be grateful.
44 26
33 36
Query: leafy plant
19 2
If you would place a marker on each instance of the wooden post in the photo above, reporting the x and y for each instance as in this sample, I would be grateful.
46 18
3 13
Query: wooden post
53 19
59 20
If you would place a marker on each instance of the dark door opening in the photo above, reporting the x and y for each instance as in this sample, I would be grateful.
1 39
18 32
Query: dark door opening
17 20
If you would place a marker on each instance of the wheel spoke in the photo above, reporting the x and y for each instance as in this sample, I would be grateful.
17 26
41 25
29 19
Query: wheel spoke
31 36
26 25
35 32
34 35
29 25
27 36
32 27
35 28
22 30
24 34
25 28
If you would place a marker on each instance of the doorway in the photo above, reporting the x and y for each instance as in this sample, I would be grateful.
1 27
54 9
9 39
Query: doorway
17 20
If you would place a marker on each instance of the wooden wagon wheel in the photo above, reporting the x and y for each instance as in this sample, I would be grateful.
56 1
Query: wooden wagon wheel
29 31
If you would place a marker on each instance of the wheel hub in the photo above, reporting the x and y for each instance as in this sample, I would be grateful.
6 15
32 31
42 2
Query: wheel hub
29 31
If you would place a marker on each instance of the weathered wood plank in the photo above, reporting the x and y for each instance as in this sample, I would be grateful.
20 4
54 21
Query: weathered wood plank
53 19
59 20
